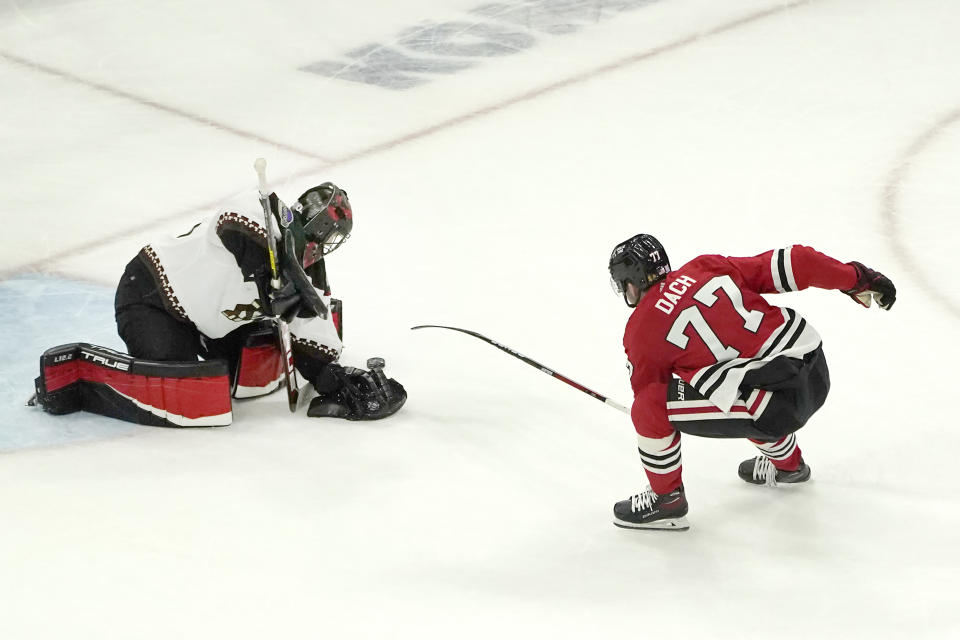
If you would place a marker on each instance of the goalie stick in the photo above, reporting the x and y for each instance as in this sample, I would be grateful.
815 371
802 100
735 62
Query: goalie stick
532 363
283 331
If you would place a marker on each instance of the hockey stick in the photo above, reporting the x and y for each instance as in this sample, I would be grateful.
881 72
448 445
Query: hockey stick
283 331
532 363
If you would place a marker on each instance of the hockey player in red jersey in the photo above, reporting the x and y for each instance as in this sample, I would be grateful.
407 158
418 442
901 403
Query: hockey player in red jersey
710 357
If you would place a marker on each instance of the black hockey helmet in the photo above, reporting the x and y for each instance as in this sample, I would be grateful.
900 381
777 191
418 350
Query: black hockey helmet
327 219
640 260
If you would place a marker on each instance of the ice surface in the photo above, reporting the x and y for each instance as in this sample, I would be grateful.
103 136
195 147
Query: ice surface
486 198
44 312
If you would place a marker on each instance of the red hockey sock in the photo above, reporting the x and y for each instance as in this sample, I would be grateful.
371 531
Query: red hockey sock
790 464
661 462
664 483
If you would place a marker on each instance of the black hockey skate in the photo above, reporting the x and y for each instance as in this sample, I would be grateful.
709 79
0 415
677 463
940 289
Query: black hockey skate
760 470
649 510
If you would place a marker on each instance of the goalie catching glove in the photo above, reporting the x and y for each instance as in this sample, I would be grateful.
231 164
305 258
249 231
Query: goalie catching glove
872 285
355 394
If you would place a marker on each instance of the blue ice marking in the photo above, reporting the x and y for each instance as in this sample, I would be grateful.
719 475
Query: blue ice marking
39 312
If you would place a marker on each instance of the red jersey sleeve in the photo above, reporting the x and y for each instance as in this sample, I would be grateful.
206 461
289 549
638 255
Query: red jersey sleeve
649 411
794 268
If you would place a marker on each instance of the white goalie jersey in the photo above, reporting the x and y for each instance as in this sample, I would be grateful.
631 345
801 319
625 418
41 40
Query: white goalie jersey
202 281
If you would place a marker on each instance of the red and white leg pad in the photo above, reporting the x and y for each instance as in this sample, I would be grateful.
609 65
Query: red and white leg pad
260 370
85 377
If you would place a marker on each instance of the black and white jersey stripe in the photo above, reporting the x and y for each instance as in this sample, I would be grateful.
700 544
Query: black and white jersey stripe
720 382
781 267
709 379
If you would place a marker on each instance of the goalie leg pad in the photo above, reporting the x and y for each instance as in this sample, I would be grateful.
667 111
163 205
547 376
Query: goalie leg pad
85 377
260 369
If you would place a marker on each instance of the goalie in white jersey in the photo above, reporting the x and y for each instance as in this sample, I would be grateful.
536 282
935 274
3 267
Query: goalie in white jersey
203 294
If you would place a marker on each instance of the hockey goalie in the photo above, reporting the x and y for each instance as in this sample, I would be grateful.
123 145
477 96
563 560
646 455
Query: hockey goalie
200 315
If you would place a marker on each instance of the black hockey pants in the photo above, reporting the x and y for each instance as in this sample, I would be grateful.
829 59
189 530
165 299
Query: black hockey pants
798 388
151 333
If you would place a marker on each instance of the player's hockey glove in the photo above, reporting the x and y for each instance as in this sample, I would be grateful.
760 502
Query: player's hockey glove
872 285
355 394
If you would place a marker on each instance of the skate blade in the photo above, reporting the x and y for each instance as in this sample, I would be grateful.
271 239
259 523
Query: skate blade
673 524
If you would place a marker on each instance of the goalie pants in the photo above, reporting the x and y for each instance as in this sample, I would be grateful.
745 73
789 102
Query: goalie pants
775 401
151 333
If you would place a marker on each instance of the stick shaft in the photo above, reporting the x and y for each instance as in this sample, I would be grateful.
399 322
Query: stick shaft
533 363
285 341
260 166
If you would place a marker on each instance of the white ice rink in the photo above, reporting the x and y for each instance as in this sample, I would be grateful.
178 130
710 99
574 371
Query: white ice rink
494 153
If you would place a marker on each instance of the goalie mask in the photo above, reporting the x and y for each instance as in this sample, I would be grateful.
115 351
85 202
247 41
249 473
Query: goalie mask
642 261
326 218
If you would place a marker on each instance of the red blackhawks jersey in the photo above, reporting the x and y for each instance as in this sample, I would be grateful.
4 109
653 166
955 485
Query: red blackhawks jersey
707 323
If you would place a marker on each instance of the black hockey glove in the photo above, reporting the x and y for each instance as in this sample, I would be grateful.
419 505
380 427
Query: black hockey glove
355 394
872 285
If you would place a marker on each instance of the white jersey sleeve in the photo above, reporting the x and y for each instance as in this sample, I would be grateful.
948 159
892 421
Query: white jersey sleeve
318 335
201 282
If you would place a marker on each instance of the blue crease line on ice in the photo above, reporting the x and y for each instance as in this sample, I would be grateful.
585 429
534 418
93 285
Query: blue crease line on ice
38 312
